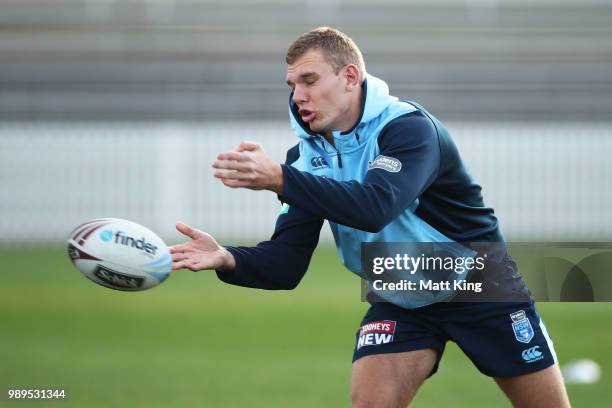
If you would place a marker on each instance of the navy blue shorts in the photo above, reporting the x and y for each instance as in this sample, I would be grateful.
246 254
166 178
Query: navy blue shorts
501 339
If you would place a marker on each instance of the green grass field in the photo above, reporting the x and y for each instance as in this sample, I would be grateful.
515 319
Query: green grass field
196 342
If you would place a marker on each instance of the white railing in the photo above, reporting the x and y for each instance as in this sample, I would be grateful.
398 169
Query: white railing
544 181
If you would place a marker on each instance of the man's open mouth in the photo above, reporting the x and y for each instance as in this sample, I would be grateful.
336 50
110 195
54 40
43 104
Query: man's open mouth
307 115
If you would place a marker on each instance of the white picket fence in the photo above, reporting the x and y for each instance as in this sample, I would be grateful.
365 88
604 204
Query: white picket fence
545 181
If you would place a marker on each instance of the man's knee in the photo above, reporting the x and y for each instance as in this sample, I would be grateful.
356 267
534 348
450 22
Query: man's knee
544 388
372 401
390 380
385 396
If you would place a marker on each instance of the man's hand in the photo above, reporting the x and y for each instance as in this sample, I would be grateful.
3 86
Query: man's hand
250 167
201 252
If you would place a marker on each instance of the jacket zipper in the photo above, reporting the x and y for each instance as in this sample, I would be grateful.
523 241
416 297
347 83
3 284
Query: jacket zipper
338 152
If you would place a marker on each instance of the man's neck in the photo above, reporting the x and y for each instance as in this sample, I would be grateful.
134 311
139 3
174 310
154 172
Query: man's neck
329 137
353 114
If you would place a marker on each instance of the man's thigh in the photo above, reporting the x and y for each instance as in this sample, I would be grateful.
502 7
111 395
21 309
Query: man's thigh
390 380
395 351
541 389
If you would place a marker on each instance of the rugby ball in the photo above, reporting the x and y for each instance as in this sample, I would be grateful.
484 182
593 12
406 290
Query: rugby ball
119 254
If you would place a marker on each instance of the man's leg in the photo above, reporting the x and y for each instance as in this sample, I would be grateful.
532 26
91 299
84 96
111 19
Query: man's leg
541 389
390 380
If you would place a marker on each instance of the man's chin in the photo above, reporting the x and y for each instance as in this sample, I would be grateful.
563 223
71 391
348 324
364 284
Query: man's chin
315 128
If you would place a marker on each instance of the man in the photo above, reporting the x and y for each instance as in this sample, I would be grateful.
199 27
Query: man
379 170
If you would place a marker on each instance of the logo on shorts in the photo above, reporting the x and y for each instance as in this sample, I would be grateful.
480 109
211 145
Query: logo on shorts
532 354
376 333
521 326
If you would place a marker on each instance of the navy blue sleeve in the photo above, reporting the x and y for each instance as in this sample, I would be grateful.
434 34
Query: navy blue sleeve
383 195
282 261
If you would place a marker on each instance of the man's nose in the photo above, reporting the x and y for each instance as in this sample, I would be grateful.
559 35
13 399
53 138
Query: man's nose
299 95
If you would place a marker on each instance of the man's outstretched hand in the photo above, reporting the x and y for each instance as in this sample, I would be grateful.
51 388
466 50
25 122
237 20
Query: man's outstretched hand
249 166
200 252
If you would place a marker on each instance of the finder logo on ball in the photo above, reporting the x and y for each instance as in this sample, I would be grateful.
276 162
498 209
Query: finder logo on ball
119 254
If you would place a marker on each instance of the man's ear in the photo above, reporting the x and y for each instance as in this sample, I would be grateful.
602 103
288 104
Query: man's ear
353 77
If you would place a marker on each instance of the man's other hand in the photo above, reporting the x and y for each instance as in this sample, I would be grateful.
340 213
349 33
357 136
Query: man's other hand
250 167
200 252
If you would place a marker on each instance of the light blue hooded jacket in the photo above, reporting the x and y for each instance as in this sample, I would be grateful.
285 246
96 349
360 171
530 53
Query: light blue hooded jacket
395 177
350 159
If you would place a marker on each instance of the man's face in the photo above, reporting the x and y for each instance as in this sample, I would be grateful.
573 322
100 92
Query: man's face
320 94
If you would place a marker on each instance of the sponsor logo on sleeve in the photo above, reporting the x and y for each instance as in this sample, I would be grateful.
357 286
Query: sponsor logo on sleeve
521 326
376 333
389 164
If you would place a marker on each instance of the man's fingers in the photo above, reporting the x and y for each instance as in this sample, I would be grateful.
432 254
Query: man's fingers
185 264
248 146
180 248
234 175
187 230
232 165
180 256
234 183
236 156
200 266
179 265
192 265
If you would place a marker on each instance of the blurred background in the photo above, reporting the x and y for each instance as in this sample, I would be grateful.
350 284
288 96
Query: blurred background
116 108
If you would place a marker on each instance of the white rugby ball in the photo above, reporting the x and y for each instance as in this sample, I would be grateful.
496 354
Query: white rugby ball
119 254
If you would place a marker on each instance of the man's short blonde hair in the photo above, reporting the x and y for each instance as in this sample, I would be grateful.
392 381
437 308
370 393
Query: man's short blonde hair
338 49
